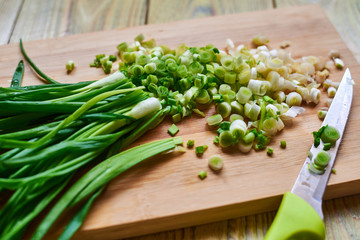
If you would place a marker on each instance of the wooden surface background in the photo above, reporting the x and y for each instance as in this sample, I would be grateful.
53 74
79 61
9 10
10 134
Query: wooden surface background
41 19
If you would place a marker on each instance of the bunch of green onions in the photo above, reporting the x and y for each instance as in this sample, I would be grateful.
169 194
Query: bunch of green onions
49 132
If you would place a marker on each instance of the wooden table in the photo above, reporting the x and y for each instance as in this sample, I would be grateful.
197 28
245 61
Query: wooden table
40 19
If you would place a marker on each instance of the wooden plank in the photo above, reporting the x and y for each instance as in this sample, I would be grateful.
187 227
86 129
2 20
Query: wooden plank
66 17
136 203
8 13
344 15
342 220
164 11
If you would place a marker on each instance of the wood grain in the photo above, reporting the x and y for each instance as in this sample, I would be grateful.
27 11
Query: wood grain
136 203
344 15
40 19
168 10
9 11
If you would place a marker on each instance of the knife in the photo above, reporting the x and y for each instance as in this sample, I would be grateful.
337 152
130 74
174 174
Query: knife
300 215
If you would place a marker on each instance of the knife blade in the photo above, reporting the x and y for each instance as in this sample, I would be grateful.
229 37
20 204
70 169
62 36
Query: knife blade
300 213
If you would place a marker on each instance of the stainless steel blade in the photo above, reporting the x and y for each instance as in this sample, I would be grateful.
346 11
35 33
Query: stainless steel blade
309 186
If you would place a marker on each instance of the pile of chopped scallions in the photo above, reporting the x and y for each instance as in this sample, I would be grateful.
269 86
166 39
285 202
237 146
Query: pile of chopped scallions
49 132
259 90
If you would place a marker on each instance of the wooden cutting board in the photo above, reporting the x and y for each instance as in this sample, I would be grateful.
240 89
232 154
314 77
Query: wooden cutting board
164 192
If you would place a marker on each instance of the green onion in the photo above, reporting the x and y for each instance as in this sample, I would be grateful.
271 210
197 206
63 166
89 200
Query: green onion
203 97
244 147
102 174
225 139
214 120
237 108
139 38
322 159
238 128
173 130
70 65
224 89
18 75
270 151
224 109
225 125
190 143
330 135
216 162
220 72
235 116
36 69
322 114
199 150
317 135
312 167
243 95
283 144
249 138
202 174
327 146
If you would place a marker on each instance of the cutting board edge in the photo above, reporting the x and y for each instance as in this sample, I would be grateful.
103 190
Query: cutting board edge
204 216
176 221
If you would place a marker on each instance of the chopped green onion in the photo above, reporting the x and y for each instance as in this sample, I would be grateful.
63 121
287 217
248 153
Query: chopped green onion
176 118
202 174
197 111
244 147
214 120
260 40
225 139
243 95
199 150
293 99
327 146
190 143
322 114
283 144
330 135
333 171
225 125
216 162
331 92
220 72
270 151
312 167
238 128
236 107
70 65
203 97
322 159
317 136
235 116
252 111
139 38
224 89
230 77
173 130
224 109
216 139
218 98
339 63
249 138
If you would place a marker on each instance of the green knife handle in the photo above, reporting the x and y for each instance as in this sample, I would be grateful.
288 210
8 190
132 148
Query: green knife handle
296 220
